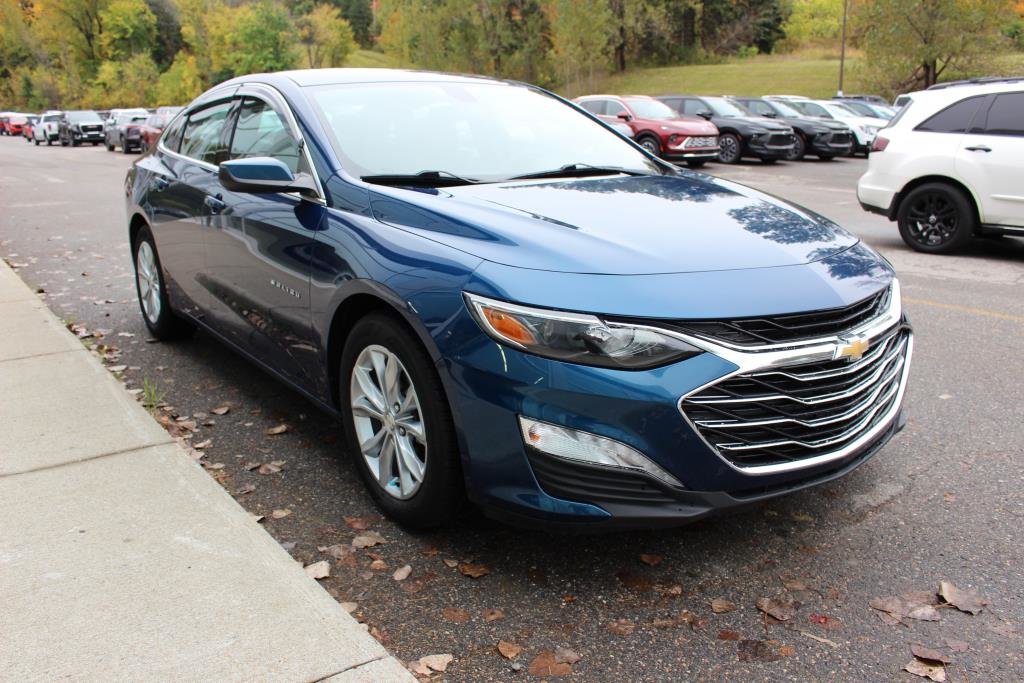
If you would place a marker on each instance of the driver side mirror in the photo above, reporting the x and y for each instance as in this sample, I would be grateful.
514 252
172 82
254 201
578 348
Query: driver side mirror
705 114
624 116
769 115
263 174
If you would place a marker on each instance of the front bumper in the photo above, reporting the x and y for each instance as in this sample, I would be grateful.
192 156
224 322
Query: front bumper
770 145
87 136
826 143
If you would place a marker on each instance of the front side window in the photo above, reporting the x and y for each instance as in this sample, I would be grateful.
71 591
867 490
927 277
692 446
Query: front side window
261 132
723 107
651 109
1006 115
955 118
760 108
202 135
694 107
613 108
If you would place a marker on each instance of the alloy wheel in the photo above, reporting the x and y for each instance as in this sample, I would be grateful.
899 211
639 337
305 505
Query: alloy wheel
651 146
146 271
389 424
728 149
932 220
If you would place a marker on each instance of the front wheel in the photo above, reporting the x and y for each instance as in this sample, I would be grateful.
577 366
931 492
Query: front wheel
37 143
799 149
936 218
124 147
651 145
398 426
826 157
162 322
730 148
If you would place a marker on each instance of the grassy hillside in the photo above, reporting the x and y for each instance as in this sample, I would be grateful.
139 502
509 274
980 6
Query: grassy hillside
761 75
369 59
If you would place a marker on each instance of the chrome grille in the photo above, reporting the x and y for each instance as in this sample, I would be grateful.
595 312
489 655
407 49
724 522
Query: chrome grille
792 413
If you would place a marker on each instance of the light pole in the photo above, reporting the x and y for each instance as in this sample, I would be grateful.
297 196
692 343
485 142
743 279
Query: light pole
842 51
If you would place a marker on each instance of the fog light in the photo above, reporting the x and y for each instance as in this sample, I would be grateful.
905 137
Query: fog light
590 449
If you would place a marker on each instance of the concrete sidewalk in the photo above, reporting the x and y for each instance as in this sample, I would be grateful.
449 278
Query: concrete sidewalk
120 558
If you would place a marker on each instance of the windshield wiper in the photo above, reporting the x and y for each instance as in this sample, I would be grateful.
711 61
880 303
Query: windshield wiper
578 170
421 179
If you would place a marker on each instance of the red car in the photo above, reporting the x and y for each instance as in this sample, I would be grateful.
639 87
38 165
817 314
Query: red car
155 124
15 123
657 128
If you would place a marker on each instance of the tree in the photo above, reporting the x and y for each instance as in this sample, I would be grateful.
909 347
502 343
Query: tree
127 83
359 15
814 22
181 82
910 44
325 36
250 38
129 28
580 41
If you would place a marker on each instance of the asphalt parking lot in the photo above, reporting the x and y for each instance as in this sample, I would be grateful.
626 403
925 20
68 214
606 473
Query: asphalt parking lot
943 502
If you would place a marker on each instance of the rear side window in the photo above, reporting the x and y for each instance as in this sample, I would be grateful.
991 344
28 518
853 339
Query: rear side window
956 118
261 132
1006 115
593 106
202 135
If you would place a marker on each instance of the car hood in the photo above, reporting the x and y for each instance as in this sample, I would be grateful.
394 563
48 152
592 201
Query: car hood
618 225
759 121
693 126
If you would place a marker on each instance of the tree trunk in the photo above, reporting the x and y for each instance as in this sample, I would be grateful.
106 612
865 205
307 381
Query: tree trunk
930 76
619 54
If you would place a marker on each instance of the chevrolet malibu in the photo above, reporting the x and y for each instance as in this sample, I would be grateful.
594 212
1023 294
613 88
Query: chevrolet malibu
504 301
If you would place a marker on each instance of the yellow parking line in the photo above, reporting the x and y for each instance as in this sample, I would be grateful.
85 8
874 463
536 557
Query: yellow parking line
966 309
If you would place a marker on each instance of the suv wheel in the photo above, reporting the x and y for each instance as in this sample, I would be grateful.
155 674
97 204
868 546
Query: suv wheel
936 218
650 144
799 148
730 148
398 427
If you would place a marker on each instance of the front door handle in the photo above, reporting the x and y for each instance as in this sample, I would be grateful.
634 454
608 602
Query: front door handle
978 148
214 204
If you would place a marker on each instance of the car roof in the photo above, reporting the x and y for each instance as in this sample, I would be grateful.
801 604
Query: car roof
340 76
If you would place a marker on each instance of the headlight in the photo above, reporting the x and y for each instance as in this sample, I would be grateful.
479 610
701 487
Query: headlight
576 337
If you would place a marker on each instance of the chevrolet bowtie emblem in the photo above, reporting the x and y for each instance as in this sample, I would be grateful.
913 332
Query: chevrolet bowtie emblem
852 349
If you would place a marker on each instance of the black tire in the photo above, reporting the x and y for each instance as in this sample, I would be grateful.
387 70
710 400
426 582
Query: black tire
699 163
936 218
124 147
769 161
650 143
49 142
37 143
440 494
63 142
826 157
730 148
110 147
167 324
799 148
75 143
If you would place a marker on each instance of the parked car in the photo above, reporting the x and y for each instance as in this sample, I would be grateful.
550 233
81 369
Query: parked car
864 128
870 99
154 125
825 138
48 128
869 109
522 307
26 129
740 134
657 128
4 117
14 123
948 167
76 127
125 132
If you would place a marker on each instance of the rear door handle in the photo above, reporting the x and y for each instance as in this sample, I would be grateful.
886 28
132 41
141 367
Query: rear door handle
978 148
215 204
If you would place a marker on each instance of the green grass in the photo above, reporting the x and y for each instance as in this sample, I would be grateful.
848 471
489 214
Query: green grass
369 59
761 75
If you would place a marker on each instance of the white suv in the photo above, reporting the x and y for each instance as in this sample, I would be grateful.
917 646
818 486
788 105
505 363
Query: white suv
950 165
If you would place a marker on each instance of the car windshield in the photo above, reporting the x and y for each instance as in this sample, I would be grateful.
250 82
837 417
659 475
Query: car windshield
83 117
784 109
479 131
650 109
51 117
840 110
723 107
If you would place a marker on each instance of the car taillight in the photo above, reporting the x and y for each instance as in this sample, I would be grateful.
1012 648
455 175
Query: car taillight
879 144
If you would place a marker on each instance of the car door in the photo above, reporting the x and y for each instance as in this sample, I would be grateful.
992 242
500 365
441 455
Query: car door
989 159
258 252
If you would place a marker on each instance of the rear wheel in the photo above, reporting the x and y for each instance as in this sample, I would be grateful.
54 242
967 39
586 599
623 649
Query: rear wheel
162 322
398 426
730 148
110 147
37 143
124 147
936 218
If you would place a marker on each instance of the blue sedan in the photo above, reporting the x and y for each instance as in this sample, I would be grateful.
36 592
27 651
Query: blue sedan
507 303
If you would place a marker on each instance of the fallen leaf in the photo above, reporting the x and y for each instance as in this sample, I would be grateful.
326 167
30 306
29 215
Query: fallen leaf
674 591
402 573
664 622
893 610
564 655
545 666
360 523
634 581
250 466
509 650
378 565
650 560
927 653
242 490
787 650
474 570
349 607
757 651
729 635
280 514
783 610
450 563
269 468
721 606
455 615
923 613
493 615
221 410
826 622
934 672
279 429
117 368
621 627
437 663
367 540
963 600
319 570
203 444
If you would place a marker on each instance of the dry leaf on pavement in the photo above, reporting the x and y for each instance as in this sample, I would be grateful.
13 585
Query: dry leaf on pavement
272 467
280 514
826 622
450 563
367 540
783 610
378 565
721 606
455 615
360 523
437 663
934 672
650 560
927 653
319 570
242 490
474 570
221 410
545 666
402 573
279 429
729 635
564 655
757 651
493 615
509 650
621 627
963 600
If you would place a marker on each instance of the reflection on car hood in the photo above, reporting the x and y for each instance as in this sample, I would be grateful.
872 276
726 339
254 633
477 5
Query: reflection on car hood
691 126
760 121
616 225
